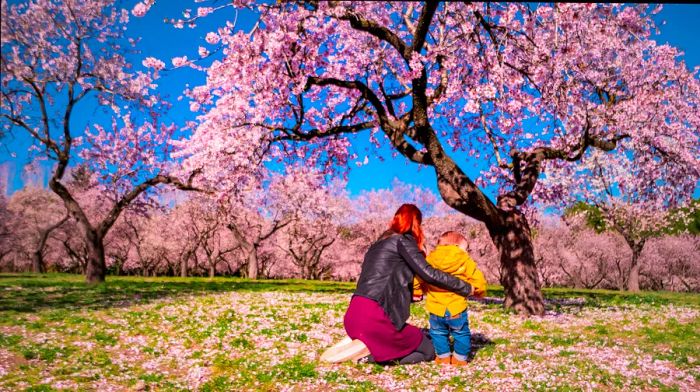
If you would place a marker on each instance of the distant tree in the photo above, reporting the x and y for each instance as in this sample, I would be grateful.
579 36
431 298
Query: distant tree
57 55
574 255
315 229
255 215
672 262
7 235
37 214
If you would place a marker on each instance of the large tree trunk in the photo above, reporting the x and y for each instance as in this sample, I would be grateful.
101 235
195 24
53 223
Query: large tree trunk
519 279
510 233
96 268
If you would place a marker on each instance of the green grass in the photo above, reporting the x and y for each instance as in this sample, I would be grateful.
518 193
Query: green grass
27 292
152 333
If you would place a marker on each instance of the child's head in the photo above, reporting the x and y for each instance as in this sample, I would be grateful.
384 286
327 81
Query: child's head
453 238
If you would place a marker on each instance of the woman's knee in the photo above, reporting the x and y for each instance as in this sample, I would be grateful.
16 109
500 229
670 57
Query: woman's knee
426 349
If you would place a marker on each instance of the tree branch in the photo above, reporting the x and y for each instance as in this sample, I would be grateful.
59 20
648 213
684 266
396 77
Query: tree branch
125 200
426 16
527 177
379 31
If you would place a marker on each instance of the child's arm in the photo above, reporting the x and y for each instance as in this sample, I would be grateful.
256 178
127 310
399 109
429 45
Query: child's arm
478 282
474 277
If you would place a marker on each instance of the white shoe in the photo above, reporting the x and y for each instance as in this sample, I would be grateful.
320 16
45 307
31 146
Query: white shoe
345 350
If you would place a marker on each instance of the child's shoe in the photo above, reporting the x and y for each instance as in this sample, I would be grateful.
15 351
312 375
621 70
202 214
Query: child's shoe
458 362
444 360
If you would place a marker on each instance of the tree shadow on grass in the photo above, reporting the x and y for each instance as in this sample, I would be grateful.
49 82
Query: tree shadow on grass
479 342
30 293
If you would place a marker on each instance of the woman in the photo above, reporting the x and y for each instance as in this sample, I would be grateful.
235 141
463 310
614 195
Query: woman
381 304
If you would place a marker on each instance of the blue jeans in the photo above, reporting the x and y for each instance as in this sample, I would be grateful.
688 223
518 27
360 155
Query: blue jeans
457 326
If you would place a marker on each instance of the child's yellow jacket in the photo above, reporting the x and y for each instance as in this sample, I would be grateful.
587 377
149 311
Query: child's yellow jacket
455 261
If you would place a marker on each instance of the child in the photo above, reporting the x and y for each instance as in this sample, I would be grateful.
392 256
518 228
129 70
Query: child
448 311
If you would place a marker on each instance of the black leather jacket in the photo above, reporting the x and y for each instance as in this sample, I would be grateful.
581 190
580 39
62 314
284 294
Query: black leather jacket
387 276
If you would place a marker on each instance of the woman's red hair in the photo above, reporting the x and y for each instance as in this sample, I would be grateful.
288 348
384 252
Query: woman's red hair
408 219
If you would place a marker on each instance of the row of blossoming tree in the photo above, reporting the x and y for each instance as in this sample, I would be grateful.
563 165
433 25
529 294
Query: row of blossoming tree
561 103
196 236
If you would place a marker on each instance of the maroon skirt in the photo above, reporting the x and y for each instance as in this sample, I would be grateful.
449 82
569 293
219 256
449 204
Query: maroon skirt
366 320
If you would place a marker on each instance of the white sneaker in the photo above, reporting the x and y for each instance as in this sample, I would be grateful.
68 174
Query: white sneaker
345 350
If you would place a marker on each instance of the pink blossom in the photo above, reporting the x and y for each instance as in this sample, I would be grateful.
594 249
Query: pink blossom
141 8
204 11
180 61
152 62
212 38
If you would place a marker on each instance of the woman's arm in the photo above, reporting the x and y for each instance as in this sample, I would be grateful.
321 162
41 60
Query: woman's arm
409 251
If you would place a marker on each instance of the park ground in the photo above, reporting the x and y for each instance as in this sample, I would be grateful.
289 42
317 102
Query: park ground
221 334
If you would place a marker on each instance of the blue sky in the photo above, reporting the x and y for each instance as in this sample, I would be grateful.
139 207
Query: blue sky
681 29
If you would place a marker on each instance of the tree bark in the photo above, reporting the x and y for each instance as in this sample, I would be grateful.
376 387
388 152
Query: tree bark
519 279
118 267
38 261
633 280
212 270
183 267
38 266
96 270
633 276
253 263
510 233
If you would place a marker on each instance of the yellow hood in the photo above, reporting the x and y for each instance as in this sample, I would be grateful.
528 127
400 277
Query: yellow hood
448 258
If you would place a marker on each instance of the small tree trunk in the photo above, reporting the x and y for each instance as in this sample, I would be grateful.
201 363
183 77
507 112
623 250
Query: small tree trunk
38 266
183 266
212 270
183 269
96 270
519 279
253 263
633 277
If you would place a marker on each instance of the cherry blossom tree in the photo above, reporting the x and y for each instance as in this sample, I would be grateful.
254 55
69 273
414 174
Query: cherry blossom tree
372 211
521 88
37 212
7 235
57 55
255 215
672 263
207 223
574 255
319 214
251 230
305 244
176 236
618 196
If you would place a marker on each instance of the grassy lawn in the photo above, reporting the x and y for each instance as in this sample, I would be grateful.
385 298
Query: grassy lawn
224 334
